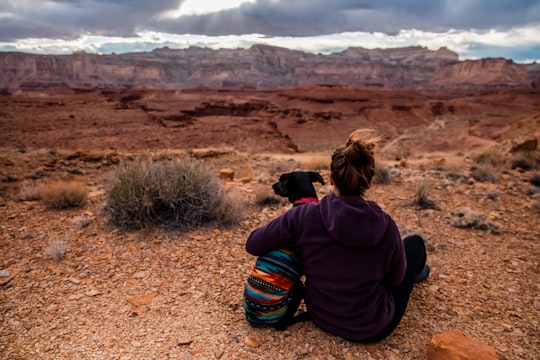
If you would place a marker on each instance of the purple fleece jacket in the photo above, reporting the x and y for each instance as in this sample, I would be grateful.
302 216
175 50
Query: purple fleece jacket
352 255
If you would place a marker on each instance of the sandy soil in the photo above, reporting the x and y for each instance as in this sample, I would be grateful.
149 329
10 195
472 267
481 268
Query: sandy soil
159 294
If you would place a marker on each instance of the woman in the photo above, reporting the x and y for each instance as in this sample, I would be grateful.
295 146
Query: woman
359 272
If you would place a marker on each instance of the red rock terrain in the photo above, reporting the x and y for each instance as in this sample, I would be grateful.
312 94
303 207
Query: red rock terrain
166 295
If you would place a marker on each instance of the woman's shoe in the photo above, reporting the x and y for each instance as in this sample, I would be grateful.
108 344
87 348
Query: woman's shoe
422 275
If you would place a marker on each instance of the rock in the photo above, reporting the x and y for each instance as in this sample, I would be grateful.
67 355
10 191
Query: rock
92 293
8 274
454 345
226 174
252 342
185 340
137 301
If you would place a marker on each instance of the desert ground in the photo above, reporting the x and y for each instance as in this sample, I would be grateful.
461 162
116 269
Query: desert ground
163 294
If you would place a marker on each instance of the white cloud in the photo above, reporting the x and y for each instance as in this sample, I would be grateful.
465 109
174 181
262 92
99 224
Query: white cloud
468 44
202 7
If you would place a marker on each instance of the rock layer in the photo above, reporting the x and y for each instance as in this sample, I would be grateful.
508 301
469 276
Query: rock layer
260 67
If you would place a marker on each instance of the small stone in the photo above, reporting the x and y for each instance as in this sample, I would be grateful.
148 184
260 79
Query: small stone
184 341
252 342
92 292
142 299
74 280
226 174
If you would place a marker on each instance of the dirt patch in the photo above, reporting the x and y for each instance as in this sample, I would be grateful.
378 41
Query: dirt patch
166 295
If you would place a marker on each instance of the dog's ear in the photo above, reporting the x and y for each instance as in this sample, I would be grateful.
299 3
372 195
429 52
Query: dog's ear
315 176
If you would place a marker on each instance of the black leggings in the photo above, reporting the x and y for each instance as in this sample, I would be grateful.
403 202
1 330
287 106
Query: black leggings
415 252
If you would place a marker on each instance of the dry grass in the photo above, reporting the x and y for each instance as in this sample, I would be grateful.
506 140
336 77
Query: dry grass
467 218
64 194
180 193
55 250
30 191
422 197
264 196
316 162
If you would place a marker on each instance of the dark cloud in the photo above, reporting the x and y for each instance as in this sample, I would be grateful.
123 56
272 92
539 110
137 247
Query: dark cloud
307 18
71 18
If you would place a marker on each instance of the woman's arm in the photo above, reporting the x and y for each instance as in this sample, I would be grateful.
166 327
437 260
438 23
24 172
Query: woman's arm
398 262
276 234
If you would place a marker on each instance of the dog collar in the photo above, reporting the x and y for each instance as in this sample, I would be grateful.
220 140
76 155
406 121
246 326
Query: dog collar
305 200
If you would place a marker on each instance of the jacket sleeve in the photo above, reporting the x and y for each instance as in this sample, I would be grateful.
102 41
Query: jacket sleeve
398 262
276 234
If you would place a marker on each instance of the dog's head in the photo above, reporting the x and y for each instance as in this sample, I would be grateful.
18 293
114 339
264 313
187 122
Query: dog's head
297 185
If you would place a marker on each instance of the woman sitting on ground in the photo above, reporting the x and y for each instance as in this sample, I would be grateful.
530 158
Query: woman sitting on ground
359 272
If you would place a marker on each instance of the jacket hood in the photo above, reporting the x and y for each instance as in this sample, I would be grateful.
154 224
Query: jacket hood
353 222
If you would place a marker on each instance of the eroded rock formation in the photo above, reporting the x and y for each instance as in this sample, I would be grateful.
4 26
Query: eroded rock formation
259 67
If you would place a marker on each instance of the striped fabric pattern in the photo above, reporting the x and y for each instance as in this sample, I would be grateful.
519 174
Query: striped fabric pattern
267 292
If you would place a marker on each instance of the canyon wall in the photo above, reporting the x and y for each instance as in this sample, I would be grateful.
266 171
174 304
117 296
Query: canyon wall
260 67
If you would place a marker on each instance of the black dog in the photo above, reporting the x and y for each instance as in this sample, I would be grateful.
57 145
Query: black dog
274 289
297 186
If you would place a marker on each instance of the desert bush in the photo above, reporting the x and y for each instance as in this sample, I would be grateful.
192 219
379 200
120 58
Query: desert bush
180 193
265 197
536 205
55 250
484 173
535 179
490 158
30 191
317 162
466 218
522 162
421 195
64 194
382 173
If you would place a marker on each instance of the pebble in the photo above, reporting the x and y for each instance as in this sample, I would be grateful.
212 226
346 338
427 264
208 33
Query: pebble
252 342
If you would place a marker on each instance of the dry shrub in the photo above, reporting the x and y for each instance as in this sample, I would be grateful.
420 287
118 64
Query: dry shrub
230 209
523 161
484 173
382 173
64 194
55 250
317 162
535 179
490 158
263 196
180 193
536 205
30 191
466 218
421 195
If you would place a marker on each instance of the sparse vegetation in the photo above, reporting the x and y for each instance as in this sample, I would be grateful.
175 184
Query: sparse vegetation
180 193
421 195
466 218
382 173
317 162
265 197
535 179
536 205
64 194
522 162
55 250
484 173
30 191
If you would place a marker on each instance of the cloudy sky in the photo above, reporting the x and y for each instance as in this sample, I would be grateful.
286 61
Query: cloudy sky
472 28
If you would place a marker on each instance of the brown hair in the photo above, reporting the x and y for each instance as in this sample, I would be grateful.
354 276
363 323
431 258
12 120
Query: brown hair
353 166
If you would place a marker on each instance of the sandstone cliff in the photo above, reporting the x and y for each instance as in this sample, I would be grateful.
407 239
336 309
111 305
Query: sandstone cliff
259 67
484 72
